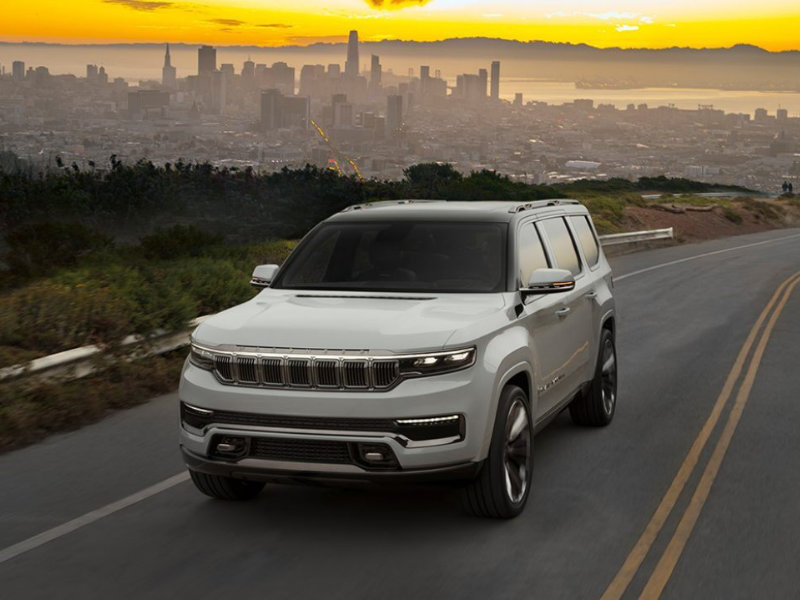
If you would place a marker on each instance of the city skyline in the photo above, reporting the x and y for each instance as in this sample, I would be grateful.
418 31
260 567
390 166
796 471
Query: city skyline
620 23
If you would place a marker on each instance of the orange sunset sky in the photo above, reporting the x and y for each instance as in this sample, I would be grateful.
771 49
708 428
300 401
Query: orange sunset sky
771 24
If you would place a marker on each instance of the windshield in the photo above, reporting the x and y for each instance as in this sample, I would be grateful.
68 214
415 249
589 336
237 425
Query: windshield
401 256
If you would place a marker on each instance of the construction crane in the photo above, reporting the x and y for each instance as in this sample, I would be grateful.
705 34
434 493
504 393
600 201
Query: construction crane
337 155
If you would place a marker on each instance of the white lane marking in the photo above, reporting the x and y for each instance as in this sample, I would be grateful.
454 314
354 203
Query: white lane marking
88 518
705 254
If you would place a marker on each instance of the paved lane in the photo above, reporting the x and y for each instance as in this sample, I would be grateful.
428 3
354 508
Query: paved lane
595 490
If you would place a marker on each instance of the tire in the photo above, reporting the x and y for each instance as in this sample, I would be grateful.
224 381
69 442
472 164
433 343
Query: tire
502 486
225 488
596 406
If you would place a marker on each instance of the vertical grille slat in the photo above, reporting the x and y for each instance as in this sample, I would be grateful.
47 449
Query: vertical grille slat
247 370
299 372
385 373
355 374
272 370
327 373
224 367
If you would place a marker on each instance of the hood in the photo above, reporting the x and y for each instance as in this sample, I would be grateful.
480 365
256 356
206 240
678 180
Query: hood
347 321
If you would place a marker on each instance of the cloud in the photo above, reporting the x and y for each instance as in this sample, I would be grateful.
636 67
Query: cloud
227 22
622 28
393 4
145 5
303 40
275 25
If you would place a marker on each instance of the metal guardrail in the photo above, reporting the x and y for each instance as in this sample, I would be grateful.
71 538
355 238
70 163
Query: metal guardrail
615 239
81 362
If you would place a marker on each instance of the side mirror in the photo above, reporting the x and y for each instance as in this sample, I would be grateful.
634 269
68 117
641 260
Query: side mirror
263 275
549 281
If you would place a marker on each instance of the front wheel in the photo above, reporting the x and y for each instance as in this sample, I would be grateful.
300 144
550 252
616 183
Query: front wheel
503 484
596 406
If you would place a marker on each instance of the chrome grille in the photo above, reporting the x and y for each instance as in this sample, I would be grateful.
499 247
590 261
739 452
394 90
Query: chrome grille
355 374
334 373
299 372
224 367
272 369
326 373
385 373
246 368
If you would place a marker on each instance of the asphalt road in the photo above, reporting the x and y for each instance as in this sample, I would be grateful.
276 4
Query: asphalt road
732 531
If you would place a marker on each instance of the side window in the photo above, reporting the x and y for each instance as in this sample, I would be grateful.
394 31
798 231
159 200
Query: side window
561 242
588 242
531 253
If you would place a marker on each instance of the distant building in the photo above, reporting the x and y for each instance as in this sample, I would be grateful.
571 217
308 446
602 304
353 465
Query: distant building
518 99
334 71
394 115
375 73
351 66
495 90
206 60
782 114
279 111
169 78
18 70
483 77
143 102
91 73
248 70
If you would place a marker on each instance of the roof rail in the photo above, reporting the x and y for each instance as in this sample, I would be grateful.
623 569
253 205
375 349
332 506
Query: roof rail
385 203
540 204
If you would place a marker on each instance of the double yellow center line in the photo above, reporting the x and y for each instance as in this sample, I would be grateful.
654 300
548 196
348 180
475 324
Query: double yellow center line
666 564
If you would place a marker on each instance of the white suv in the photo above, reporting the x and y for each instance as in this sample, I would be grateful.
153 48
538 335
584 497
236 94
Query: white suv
403 341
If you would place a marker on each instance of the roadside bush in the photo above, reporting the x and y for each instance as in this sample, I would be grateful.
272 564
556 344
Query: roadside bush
211 285
732 215
178 241
761 209
48 316
42 248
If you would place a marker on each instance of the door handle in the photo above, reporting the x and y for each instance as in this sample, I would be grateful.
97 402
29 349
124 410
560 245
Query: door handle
563 312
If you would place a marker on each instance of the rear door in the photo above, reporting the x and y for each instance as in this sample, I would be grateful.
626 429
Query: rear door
560 323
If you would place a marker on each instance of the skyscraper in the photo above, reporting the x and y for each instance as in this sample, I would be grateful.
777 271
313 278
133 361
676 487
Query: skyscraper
394 115
206 60
18 70
351 66
483 83
271 114
495 80
91 72
168 72
376 72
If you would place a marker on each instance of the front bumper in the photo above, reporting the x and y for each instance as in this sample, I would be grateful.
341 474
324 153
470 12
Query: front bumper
426 429
288 472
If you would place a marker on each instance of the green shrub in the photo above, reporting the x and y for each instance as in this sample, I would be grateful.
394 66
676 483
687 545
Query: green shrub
732 215
178 241
763 209
48 316
42 248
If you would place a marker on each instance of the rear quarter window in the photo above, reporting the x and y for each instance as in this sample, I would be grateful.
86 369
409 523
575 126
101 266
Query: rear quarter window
586 239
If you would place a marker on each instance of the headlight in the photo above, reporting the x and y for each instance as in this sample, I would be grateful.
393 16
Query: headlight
437 362
201 358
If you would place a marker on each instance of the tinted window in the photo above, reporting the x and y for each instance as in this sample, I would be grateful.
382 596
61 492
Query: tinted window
400 256
531 253
564 252
586 239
